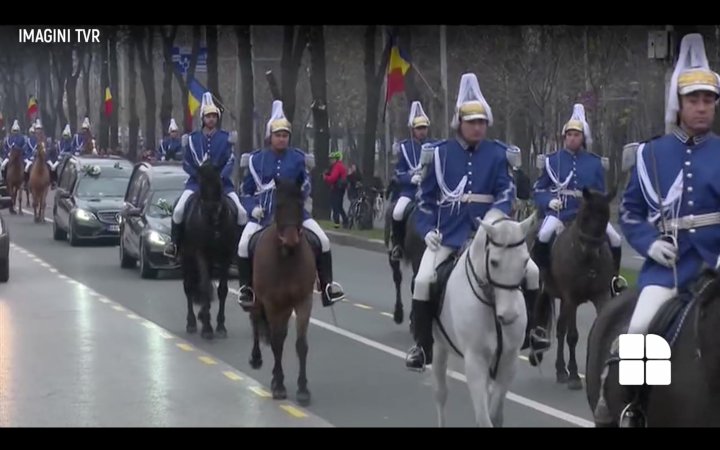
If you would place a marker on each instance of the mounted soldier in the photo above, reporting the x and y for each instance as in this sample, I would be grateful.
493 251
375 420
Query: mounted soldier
670 209
83 142
170 147
558 191
467 176
264 166
407 173
30 149
14 139
208 143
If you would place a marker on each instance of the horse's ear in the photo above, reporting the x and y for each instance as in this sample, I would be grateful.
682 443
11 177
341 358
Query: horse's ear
586 194
489 228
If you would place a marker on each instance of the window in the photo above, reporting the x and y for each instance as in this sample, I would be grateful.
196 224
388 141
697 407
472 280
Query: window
135 188
89 186
644 360
161 203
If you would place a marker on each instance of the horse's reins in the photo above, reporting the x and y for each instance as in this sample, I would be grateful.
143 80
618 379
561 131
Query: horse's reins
488 290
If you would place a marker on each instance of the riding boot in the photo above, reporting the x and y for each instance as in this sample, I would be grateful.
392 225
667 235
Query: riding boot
541 255
172 248
619 283
246 297
396 238
421 353
530 296
331 292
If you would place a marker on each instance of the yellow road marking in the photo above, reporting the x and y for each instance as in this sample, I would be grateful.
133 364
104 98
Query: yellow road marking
232 375
386 314
260 391
293 411
53 270
149 325
360 305
184 346
165 335
133 316
104 300
207 360
118 308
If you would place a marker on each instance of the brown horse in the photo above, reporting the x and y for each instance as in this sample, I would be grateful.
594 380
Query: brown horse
581 269
39 182
15 176
283 277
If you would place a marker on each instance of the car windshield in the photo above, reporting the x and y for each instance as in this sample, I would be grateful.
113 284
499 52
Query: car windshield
101 186
161 203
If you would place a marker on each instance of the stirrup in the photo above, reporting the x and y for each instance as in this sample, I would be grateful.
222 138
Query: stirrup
245 306
640 415
618 285
327 292
424 359
538 335
396 253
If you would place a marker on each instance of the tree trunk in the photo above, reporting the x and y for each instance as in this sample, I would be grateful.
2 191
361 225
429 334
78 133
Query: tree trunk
144 41
373 83
247 93
58 59
72 75
42 59
211 38
166 105
412 93
294 43
87 65
115 88
104 82
318 86
134 122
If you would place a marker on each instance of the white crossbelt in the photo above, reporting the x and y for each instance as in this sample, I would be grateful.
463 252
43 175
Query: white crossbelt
571 193
477 198
692 221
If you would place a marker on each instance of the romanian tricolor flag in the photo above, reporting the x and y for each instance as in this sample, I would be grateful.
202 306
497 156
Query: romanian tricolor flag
398 66
195 94
108 102
32 110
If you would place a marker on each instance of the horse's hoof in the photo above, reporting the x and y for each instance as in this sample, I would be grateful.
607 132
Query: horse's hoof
398 316
562 377
255 363
535 358
191 328
207 334
575 384
221 333
303 397
279 393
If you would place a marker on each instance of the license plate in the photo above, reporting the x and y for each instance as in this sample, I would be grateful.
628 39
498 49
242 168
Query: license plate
114 228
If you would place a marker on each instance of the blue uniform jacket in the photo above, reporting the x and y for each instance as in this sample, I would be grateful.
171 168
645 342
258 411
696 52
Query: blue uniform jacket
65 146
77 143
168 148
571 172
691 168
486 171
219 150
13 140
407 165
30 148
263 167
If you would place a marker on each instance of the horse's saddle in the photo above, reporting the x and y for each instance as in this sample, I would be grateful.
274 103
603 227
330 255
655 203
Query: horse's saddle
409 209
311 237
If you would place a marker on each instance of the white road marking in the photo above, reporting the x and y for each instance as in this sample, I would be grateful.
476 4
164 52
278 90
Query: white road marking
541 407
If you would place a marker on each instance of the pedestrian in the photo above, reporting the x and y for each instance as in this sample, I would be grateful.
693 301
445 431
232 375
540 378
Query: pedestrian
336 178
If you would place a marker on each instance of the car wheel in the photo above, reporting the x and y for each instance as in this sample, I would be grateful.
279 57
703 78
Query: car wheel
72 238
146 271
58 234
126 261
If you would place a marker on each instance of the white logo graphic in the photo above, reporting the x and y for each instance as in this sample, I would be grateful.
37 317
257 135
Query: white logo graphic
644 360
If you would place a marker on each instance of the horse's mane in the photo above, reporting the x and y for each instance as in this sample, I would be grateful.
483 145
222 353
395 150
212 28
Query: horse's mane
288 191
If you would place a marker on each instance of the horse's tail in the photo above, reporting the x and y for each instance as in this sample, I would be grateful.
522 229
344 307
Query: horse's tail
260 322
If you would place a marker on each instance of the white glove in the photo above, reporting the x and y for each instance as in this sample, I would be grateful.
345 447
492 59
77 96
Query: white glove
433 240
416 179
663 252
258 213
242 215
555 204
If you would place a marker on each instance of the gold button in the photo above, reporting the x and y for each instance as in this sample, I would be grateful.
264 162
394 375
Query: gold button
691 203
690 189
692 230
687 163
689 175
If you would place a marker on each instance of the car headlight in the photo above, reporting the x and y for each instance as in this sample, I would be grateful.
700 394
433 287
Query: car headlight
84 216
156 238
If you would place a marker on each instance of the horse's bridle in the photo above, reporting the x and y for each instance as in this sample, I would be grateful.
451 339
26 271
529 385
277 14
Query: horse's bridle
488 288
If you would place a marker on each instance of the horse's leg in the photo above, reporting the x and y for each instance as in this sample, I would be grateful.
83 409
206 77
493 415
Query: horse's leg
574 382
205 294
302 320
476 372
439 370
278 332
13 199
255 319
191 326
222 292
560 370
398 314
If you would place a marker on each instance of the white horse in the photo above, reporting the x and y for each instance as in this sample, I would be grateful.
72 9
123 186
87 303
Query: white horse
483 308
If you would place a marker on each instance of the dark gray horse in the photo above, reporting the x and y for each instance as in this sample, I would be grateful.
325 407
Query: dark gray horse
693 397
581 269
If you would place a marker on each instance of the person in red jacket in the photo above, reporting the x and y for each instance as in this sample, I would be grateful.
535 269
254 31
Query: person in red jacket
336 178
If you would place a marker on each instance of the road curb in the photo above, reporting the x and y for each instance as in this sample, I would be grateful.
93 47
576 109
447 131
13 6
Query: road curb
348 240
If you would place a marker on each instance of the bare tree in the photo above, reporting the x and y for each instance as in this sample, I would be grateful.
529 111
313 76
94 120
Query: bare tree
247 93
374 75
144 39
168 34
134 122
318 86
211 37
113 42
103 132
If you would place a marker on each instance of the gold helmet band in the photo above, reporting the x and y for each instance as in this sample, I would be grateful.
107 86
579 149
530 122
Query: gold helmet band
698 80
280 125
472 111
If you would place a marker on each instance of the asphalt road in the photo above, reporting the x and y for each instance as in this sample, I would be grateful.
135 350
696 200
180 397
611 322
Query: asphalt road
355 369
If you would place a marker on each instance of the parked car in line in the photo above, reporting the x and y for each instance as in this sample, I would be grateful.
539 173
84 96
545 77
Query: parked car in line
89 198
145 218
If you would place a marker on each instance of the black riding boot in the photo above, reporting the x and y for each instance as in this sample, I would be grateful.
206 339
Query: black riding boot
330 292
530 299
619 283
246 297
541 255
172 248
421 353
397 237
